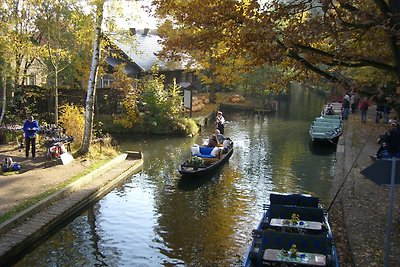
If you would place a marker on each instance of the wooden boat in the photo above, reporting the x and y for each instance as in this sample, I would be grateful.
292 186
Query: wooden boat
294 231
205 161
326 128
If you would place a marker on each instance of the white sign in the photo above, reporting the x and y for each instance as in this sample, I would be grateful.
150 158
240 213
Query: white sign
187 98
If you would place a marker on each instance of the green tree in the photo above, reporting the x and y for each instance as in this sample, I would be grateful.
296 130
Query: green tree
61 24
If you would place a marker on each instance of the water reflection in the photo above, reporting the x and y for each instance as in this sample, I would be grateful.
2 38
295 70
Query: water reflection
159 219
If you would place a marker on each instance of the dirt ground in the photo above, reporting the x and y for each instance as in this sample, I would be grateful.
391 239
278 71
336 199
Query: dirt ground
35 177
360 213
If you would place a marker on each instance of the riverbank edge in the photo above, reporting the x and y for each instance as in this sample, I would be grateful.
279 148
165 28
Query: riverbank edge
30 225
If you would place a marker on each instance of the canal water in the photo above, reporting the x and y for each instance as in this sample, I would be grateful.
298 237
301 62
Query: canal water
158 219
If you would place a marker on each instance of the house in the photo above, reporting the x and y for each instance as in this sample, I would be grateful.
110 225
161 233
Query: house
140 54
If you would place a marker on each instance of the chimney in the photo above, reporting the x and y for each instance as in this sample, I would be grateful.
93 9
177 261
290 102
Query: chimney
133 31
146 31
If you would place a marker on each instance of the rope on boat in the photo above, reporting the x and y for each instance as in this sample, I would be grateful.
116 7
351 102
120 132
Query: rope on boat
348 174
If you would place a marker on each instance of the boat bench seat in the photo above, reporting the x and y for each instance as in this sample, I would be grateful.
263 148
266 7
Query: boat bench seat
335 116
322 129
207 153
294 199
326 124
304 242
305 213
328 120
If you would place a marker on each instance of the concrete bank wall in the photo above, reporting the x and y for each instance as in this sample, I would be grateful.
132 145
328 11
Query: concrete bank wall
22 231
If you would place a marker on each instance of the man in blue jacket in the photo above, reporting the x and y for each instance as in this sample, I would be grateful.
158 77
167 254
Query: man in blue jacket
31 127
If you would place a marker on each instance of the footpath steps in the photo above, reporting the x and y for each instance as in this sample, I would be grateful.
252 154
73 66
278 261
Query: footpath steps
29 226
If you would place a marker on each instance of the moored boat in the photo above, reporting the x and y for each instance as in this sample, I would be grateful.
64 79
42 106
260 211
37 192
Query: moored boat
294 231
204 160
326 128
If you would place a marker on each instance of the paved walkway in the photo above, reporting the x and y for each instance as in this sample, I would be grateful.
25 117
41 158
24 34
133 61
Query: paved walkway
25 228
360 212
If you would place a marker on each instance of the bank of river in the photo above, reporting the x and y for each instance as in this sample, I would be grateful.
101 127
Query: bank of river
156 218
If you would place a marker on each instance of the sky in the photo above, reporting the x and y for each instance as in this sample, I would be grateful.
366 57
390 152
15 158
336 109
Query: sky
133 14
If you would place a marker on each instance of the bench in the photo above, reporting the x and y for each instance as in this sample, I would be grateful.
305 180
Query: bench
281 240
305 213
324 130
326 124
294 200
328 119
208 154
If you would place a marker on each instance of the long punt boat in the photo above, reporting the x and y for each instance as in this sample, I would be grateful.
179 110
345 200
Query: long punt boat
205 160
294 231
326 128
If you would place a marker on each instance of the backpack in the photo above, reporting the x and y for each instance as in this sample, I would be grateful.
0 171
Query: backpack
8 165
7 161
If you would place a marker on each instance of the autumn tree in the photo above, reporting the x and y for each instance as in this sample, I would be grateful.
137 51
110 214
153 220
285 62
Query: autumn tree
351 43
61 24
125 85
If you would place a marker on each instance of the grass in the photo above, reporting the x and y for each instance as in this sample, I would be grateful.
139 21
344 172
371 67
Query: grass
33 200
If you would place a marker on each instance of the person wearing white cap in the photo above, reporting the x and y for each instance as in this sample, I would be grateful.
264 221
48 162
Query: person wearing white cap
346 107
219 121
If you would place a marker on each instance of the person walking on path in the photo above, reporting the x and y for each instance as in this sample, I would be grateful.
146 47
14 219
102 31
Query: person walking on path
364 108
346 107
31 127
354 101
379 113
220 121
386 112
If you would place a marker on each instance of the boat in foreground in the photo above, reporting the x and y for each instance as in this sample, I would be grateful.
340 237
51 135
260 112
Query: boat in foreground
326 128
205 160
294 231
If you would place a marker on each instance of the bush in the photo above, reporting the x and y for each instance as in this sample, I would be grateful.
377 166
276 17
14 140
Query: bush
72 119
186 126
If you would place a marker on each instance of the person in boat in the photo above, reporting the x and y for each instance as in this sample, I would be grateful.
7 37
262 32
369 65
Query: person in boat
220 121
220 137
329 110
390 143
212 141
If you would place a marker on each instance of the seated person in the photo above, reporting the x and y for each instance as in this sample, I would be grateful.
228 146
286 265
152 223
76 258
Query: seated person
390 143
329 111
212 141
220 137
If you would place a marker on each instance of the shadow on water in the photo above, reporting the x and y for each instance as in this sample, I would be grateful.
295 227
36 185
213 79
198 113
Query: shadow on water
188 183
322 148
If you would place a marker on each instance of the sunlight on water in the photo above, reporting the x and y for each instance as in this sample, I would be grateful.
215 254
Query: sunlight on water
158 219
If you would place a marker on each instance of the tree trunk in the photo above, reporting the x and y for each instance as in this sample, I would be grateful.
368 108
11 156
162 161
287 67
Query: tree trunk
56 99
87 136
4 100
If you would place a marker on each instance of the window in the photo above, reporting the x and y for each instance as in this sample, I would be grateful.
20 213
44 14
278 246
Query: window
106 81
30 80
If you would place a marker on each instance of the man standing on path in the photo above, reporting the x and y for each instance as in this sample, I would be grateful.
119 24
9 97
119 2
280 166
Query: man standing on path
31 127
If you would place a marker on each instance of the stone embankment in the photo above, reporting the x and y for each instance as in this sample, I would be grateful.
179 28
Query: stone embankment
28 226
